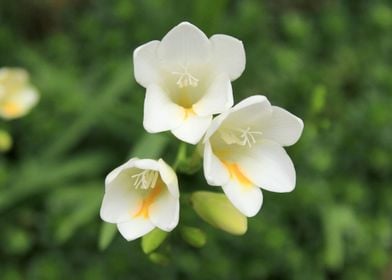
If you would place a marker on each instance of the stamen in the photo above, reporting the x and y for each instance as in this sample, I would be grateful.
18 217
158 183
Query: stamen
240 136
145 179
248 136
186 78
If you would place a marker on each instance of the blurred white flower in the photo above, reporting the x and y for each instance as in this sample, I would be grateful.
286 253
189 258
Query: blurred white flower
17 96
187 79
140 195
243 152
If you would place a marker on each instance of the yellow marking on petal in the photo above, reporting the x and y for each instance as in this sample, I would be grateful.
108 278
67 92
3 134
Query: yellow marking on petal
188 112
148 200
11 109
184 98
236 173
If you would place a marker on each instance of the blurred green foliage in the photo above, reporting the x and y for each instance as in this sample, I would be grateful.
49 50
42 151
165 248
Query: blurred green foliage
329 62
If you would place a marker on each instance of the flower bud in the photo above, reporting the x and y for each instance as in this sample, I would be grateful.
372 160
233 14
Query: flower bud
217 210
5 141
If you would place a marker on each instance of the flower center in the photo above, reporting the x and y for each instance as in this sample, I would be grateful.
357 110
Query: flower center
185 78
145 180
242 137
148 201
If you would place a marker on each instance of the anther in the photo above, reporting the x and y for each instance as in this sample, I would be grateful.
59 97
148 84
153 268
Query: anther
186 78
242 137
145 179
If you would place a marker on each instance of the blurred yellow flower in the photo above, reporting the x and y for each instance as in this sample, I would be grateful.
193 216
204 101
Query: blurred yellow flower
17 95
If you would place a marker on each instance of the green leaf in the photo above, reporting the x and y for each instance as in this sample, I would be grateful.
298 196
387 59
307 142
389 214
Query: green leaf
81 212
56 175
194 236
217 210
108 231
153 240
116 87
338 221
150 146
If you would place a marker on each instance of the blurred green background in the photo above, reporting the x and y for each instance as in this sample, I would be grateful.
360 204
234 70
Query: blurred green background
328 62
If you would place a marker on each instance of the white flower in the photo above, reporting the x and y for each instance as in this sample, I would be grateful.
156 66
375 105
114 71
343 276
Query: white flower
17 96
140 195
243 152
187 79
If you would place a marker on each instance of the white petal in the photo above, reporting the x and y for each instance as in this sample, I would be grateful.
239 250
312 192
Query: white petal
184 44
192 128
251 101
247 199
268 166
164 212
229 54
114 173
146 63
249 111
160 113
282 127
215 124
135 228
119 201
215 172
169 177
148 164
218 98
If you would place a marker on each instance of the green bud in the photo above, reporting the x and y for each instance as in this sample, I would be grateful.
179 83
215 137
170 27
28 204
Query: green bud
194 236
159 258
153 240
5 141
17 241
217 210
318 98
150 146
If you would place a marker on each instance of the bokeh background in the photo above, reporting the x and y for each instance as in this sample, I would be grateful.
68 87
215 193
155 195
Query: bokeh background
329 62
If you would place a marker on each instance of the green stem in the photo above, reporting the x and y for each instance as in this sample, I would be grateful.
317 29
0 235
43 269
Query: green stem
181 155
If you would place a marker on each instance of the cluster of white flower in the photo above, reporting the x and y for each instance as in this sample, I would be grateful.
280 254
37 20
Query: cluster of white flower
188 80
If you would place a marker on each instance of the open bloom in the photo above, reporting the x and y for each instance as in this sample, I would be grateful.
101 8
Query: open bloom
17 96
187 79
140 195
243 152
